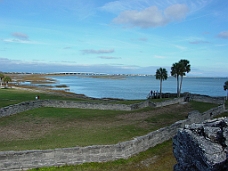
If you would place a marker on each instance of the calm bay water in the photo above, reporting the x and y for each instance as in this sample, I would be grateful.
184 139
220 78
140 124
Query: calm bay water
138 87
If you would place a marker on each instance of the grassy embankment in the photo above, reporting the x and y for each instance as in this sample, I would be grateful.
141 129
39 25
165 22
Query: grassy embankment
51 128
45 128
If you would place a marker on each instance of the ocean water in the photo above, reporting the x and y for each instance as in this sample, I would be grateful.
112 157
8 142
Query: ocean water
138 87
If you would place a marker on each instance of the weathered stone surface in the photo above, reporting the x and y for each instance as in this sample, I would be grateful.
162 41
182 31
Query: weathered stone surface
202 147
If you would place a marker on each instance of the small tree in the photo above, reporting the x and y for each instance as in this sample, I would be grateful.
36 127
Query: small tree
226 88
7 79
161 74
1 77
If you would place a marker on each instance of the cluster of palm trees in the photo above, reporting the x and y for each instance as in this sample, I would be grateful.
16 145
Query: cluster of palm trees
4 79
178 70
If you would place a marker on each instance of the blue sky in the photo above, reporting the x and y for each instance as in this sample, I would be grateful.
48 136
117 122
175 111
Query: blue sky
124 36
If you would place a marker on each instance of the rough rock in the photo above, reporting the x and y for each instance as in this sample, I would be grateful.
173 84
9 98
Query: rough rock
202 147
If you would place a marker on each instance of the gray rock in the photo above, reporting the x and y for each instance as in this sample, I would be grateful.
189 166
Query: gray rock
202 147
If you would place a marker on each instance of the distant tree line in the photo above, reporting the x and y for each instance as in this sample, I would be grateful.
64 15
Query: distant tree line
4 79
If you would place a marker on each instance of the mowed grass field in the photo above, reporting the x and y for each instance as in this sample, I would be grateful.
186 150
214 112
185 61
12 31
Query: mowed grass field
48 128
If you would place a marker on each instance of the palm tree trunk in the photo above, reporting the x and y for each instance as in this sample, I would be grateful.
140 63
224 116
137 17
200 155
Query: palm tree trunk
178 86
226 94
160 88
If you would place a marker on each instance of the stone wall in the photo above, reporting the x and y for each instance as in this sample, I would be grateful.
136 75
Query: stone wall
148 103
13 160
207 99
21 107
169 102
196 117
202 147
24 106
85 105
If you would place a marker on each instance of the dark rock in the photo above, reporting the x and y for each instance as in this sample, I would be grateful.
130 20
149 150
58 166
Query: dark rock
202 147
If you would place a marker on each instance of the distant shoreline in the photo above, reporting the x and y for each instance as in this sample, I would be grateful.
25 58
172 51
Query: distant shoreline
93 74
50 83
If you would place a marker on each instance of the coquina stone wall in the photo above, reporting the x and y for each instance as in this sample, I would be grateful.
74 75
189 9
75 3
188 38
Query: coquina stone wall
18 160
20 107
148 103
202 147
207 99
24 106
85 105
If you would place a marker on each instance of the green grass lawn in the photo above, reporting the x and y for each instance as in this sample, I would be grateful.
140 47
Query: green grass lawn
13 96
48 128
202 106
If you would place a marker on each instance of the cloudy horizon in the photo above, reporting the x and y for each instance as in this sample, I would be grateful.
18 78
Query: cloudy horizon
113 37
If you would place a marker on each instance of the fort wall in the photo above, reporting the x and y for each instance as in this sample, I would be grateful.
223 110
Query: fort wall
22 160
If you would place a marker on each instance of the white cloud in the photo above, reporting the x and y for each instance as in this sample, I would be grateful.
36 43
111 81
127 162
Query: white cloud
152 16
149 17
20 36
223 35
108 57
143 39
180 47
67 47
115 6
119 6
176 12
15 40
159 57
101 51
198 42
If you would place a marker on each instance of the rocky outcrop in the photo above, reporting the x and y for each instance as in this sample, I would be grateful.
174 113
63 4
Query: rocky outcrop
202 147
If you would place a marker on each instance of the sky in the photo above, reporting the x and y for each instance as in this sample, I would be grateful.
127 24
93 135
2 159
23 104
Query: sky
114 37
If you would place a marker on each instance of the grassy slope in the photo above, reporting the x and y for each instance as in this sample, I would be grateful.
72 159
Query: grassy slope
46 128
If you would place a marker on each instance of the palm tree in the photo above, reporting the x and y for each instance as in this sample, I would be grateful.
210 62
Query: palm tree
7 79
1 77
176 71
161 74
179 70
186 69
226 88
